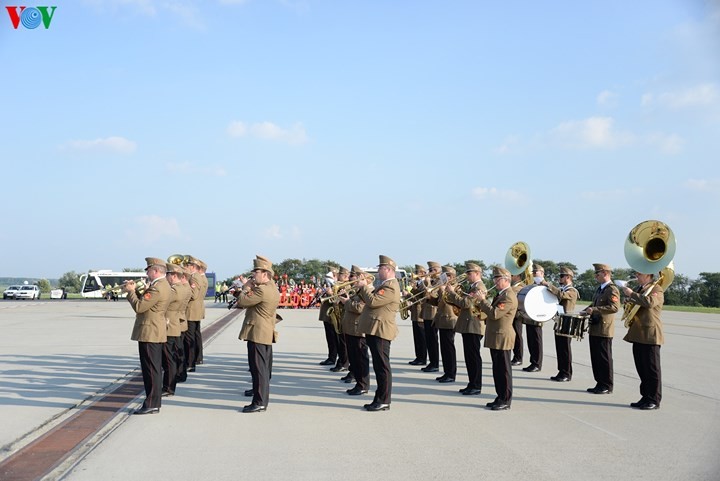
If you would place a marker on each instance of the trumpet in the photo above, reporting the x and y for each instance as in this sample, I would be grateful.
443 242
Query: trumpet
343 285
140 287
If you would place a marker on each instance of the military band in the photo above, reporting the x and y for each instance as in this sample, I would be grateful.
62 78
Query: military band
567 296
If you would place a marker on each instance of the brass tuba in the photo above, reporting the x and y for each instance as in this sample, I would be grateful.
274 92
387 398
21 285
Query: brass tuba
517 261
177 259
649 249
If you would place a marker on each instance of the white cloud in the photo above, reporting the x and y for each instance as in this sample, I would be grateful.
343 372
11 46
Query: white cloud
593 132
273 232
119 145
666 143
149 229
493 193
510 145
277 232
699 96
606 98
702 185
187 168
295 135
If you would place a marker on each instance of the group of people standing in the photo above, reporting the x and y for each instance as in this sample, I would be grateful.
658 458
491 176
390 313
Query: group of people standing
168 312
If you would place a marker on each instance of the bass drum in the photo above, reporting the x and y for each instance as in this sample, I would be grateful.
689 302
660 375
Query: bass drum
537 304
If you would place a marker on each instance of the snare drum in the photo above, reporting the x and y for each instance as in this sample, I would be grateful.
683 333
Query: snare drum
572 325
537 304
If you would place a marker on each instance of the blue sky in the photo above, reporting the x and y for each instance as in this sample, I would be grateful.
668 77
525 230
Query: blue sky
422 130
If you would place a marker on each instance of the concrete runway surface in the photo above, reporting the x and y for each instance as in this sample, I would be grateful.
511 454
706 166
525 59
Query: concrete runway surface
58 358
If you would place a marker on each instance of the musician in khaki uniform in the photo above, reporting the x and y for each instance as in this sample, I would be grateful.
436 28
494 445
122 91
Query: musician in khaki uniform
357 348
646 335
533 329
418 325
171 354
517 283
204 285
377 322
150 330
427 314
194 313
605 303
342 357
260 298
444 321
331 337
568 296
185 293
500 335
471 326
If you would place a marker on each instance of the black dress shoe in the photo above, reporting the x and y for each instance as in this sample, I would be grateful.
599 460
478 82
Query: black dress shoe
377 407
591 389
356 391
253 408
648 406
430 369
346 377
416 362
167 394
515 362
639 403
500 407
491 404
338 369
349 380
249 392
147 411
531 368
441 377
560 378
471 392
445 379
600 390
327 362
191 369
464 389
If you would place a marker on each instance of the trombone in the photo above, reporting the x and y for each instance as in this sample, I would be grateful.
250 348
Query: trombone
338 287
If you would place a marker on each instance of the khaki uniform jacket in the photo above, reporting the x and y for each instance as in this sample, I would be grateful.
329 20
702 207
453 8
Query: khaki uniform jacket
427 311
381 307
445 317
647 327
500 313
605 304
184 292
261 303
350 324
173 312
150 323
196 307
204 285
466 322
567 295
416 310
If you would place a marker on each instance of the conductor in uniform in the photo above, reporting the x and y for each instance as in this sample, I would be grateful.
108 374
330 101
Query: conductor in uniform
605 303
259 297
377 322
150 330
568 296
500 335
646 335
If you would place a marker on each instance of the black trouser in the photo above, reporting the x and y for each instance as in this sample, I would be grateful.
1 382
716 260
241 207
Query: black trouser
151 367
342 360
359 360
198 345
473 360
448 352
380 350
190 341
602 361
518 347
431 341
419 341
502 375
535 344
331 338
647 363
260 361
182 361
170 363
564 356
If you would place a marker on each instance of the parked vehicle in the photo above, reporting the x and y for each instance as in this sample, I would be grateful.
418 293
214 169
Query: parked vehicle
28 292
9 293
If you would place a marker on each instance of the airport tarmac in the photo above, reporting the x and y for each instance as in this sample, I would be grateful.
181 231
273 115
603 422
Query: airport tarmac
58 358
